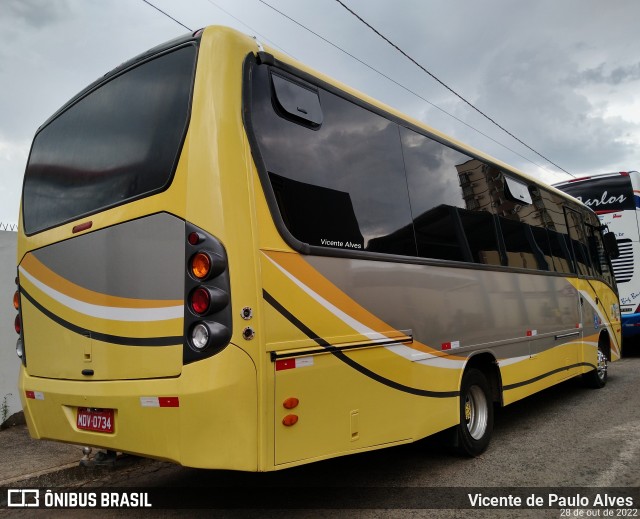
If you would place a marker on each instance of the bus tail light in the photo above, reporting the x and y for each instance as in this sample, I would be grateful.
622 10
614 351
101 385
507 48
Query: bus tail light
195 237
207 317
200 336
17 323
200 265
206 300
206 333
206 264
200 300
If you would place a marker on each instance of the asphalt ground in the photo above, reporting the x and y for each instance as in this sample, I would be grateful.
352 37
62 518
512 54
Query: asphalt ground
601 426
40 463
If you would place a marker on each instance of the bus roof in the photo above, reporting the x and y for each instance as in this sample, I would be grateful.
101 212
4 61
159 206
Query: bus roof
593 177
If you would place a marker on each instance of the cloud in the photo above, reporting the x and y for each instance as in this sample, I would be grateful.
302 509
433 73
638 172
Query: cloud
533 92
616 76
36 13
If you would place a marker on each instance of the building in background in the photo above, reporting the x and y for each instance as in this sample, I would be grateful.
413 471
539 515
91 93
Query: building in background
9 361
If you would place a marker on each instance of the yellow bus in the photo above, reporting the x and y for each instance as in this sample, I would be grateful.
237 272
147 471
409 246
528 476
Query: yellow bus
230 261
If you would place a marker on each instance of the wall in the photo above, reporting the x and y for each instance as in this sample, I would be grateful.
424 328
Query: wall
9 362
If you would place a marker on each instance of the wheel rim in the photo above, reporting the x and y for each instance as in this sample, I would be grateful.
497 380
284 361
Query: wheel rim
476 412
602 365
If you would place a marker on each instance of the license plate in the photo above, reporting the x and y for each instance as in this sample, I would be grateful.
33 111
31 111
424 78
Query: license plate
99 420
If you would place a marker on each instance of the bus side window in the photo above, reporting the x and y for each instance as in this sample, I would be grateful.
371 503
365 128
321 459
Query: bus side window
579 243
562 261
439 235
336 172
450 205
599 255
480 231
542 247
520 253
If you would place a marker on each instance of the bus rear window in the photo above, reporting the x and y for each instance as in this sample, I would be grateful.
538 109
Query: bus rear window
118 143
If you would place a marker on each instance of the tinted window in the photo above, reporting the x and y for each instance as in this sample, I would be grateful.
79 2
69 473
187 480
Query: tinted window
561 252
518 241
359 181
480 232
549 213
542 248
117 143
579 243
339 185
598 255
440 235
610 193
450 201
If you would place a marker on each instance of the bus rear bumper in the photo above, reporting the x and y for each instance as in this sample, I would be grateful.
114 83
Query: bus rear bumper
631 325
204 418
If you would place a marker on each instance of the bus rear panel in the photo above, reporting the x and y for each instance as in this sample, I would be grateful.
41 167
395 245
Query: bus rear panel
125 283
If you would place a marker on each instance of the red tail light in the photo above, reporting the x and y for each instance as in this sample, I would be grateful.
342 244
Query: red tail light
17 324
194 238
200 300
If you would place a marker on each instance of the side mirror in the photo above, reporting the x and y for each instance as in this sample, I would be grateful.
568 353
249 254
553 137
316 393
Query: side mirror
611 245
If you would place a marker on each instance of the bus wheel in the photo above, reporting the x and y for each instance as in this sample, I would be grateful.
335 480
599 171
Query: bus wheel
597 378
476 414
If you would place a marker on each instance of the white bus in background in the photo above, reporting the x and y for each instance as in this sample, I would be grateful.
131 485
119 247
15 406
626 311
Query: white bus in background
615 197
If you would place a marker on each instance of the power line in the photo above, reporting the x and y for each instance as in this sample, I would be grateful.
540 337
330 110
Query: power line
248 27
168 15
389 78
448 87
406 88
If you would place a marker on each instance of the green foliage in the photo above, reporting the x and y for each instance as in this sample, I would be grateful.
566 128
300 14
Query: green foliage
4 408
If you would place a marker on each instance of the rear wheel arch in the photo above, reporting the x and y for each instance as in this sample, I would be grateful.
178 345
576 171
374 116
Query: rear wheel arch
488 365
604 342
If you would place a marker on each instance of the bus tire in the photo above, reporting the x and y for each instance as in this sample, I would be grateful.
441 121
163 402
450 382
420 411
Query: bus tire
476 414
597 377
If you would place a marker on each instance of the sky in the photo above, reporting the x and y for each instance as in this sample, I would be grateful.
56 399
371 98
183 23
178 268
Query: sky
561 76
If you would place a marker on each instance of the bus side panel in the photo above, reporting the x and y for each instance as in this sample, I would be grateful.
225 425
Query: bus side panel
601 316
408 389
469 308
342 411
